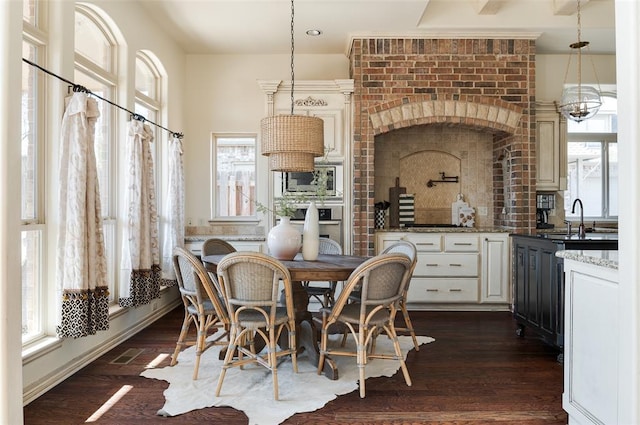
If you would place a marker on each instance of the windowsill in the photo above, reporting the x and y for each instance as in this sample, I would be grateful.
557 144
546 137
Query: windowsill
39 348
229 220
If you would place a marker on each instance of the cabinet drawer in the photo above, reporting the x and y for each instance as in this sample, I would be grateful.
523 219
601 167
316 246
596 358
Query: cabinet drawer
442 290
426 243
446 265
461 243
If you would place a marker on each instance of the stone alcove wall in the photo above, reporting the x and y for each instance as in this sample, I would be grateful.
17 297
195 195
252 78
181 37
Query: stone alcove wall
483 84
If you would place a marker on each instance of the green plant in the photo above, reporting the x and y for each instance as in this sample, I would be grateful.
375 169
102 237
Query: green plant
285 206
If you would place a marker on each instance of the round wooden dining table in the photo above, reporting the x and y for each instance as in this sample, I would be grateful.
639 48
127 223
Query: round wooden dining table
327 267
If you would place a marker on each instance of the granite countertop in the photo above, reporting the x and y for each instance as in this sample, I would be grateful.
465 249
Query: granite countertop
202 238
604 258
447 230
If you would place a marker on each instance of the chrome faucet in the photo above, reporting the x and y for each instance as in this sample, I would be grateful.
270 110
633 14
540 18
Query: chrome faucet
581 229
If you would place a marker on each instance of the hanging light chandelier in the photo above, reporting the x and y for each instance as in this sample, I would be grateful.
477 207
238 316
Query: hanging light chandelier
580 102
292 142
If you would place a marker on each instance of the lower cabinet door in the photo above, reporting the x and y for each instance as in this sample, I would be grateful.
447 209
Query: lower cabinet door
443 290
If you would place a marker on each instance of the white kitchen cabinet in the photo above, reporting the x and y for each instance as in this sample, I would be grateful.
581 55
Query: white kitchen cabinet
195 246
591 346
456 270
445 290
551 148
494 281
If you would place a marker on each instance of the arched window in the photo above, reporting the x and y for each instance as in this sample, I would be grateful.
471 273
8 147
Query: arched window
95 69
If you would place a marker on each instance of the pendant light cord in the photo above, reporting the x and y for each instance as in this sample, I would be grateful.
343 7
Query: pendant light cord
292 49
579 52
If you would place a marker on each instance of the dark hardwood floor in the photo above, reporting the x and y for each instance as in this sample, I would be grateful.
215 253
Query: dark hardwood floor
476 372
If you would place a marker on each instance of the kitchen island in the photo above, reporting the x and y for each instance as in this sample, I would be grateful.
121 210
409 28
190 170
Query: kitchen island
592 343
538 280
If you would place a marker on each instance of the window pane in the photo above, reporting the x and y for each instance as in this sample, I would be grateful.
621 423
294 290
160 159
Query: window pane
29 11
235 170
31 285
29 136
145 79
91 42
584 178
613 179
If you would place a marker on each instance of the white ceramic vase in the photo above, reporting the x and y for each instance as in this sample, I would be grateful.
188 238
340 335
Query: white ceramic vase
283 240
311 233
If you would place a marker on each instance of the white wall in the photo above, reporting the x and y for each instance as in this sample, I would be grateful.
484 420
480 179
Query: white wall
222 95
628 61
10 290
551 70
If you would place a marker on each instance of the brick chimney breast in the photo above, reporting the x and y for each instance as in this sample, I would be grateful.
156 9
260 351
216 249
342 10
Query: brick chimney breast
484 84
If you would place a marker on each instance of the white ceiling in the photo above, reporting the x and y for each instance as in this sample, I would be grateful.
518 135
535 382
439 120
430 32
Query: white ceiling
263 26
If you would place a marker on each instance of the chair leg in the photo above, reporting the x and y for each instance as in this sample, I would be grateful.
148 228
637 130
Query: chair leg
409 325
273 361
361 359
323 343
200 344
292 345
186 323
228 357
398 351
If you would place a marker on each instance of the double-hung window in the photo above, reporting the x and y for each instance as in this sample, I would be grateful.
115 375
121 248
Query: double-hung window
32 181
593 164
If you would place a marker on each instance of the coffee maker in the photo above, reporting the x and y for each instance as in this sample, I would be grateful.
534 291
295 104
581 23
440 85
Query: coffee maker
544 203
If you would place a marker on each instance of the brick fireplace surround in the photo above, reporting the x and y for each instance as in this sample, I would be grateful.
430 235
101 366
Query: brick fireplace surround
482 84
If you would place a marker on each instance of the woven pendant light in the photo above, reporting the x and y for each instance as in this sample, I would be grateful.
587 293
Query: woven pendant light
292 142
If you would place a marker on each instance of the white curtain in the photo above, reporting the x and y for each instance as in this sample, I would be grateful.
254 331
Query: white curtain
140 265
81 263
173 230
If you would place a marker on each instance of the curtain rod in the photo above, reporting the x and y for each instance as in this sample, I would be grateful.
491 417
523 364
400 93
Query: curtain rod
79 88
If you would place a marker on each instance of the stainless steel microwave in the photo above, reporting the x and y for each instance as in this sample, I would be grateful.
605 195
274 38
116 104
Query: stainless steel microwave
302 182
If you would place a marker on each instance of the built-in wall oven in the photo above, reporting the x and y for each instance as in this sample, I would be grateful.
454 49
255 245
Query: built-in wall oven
330 222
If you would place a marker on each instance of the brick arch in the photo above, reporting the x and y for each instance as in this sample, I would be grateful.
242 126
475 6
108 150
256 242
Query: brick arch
483 113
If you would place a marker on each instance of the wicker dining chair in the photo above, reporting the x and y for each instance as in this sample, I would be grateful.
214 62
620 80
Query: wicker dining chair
409 249
325 295
202 306
251 288
215 246
382 279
